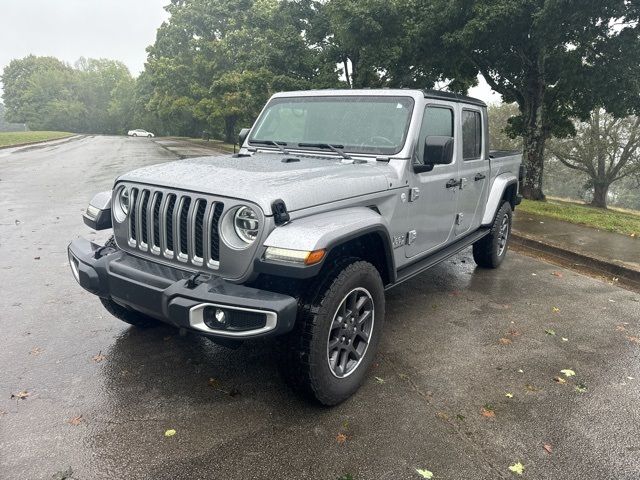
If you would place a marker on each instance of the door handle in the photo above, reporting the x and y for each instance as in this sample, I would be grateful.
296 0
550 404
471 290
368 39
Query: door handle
479 176
452 183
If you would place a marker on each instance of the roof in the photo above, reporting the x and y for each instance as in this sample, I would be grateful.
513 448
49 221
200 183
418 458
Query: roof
437 94
452 97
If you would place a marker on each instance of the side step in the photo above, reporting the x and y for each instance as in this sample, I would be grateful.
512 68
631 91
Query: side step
409 271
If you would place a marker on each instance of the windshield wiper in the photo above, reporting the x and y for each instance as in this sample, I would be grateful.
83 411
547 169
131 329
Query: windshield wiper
335 148
279 145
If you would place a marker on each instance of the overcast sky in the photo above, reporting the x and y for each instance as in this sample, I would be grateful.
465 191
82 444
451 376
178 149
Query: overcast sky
115 29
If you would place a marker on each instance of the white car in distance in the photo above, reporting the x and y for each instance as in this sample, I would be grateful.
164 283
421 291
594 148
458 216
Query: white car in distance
140 133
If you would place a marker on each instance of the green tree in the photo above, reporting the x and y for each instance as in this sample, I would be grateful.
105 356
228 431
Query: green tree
557 59
606 149
500 117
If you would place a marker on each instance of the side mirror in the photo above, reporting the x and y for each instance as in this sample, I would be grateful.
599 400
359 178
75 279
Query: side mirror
242 136
438 150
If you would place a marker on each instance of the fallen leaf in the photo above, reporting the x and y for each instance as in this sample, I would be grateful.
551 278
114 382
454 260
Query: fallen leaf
379 380
548 448
567 372
559 380
341 438
581 388
550 332
22 395
424 473
620 328
442 415
170 433
555 309
514 333
531 388
460 417
75 421
633 339
504 341
508 395
36 351
517 468
36 258
213 382
487 412
99 357
557 274
403 376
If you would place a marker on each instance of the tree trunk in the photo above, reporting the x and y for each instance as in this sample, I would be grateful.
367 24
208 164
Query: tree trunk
535 133
230 129
600 191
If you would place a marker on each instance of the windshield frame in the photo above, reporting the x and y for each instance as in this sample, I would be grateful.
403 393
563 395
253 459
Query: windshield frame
347 148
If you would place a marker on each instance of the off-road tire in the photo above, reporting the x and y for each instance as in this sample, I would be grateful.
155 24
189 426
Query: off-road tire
303 354
131 317
488 251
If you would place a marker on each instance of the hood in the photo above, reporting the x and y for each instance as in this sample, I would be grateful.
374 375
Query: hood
264 177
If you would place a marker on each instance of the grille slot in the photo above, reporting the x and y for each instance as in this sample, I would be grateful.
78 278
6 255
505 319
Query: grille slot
176 226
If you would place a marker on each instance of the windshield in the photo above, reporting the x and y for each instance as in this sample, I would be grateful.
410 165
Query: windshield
356 124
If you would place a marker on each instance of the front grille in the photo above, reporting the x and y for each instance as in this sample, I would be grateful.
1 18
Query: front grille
176 226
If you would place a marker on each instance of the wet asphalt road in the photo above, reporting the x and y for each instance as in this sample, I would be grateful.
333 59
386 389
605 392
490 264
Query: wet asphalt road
456 340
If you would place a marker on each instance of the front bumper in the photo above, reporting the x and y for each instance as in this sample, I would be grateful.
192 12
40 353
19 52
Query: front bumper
172 296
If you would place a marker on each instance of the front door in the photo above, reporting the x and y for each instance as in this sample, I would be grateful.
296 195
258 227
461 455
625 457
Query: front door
432 206
473 172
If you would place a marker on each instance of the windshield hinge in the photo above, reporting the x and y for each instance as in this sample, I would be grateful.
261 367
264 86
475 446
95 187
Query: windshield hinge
280 214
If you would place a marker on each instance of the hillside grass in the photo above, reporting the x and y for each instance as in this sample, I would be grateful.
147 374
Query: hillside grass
10 139
624 222
219 144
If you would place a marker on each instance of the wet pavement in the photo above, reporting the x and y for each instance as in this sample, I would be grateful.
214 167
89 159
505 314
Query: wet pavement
100 395
611 247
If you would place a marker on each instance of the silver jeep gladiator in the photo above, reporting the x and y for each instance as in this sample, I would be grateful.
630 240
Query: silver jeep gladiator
334 197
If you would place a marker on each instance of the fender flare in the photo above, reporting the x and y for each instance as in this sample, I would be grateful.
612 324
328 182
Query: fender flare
327 230
498 188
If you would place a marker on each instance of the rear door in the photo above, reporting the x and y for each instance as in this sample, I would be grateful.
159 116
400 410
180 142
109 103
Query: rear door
473 170
432 206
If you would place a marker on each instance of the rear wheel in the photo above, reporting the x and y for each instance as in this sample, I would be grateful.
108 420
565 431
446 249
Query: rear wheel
125 314
336 336
489 251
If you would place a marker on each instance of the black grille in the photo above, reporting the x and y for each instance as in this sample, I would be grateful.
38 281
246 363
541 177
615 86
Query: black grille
177 226
132 216
156 219
215 235
199 219
171 205
184 225
143 216
234 320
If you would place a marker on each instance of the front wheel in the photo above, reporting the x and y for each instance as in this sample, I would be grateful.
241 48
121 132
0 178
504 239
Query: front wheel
336 336
490 250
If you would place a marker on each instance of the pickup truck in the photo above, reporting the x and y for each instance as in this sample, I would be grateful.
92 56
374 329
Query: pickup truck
334 197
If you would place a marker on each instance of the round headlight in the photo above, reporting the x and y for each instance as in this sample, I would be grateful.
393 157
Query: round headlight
121 204
246 224
124 200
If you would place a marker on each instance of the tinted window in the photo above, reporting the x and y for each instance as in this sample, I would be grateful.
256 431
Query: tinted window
471 135
437 121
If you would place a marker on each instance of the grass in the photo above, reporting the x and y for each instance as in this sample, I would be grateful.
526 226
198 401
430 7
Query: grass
624 222
9 139
219 144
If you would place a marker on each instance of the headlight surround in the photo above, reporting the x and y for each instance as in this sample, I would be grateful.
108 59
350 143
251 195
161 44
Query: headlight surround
121 204
246 224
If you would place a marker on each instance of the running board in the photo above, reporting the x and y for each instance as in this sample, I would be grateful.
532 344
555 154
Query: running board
405 273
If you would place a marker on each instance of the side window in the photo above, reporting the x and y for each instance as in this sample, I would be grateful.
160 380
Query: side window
471 135
437 121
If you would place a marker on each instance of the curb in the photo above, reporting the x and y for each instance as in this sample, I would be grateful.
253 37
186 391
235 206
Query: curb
27 144
586 261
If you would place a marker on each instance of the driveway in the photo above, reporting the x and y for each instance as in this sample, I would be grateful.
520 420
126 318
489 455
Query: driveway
468 380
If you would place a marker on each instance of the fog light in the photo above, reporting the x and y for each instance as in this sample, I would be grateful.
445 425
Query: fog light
215 318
